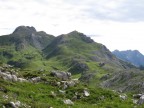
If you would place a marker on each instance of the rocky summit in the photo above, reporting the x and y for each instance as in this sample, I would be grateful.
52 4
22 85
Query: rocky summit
39 70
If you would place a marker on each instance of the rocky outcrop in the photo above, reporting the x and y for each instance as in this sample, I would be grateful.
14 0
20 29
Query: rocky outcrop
22 80
11 77
126 80
35 79
77 66
61 75
13 105
87 77
141 100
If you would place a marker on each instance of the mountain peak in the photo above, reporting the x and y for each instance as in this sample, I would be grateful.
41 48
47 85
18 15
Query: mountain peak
81 36
132 56
24 30
74 32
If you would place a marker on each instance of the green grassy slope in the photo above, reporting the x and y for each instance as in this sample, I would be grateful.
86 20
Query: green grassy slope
39 96
23 47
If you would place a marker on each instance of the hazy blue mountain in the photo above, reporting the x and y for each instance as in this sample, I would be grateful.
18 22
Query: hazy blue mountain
132 56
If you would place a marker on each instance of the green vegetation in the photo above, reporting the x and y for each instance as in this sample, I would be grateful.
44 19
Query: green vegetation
36 54
39 96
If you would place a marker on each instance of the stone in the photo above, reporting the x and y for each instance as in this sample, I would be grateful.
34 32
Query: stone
5 97
53 94
134 101
70 83
141 100
18 104
123 97
22 80
76 81
61 75
7 77
12 104
137 96
36 79
102 97
74 98
68 102
65 86
14 78
101 64
58 84
86 93
62 91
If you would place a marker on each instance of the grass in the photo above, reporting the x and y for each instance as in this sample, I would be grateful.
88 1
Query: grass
59 55
39 96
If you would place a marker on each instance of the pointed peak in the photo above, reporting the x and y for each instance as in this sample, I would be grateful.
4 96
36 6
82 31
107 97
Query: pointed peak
24 29
80 36
75 32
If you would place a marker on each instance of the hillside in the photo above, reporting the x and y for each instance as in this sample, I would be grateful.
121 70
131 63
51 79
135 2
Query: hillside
39 70
134 57
76 47
23 46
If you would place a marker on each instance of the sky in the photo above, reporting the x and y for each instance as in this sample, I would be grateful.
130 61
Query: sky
118 24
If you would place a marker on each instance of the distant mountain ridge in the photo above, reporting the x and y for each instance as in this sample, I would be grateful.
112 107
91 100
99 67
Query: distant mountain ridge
132 56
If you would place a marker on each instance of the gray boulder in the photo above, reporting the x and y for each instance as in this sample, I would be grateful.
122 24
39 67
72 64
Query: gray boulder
123 97
36 79
22 80
14 78
13 104
141 100
86 93
61 75
68 102
137 96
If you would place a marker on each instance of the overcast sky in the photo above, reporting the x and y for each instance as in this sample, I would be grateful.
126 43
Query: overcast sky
118 24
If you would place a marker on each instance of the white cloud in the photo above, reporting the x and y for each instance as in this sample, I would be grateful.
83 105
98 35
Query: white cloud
118 23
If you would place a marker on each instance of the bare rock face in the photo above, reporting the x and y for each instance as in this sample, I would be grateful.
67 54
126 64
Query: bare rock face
24 30
78 66
86 77
61 75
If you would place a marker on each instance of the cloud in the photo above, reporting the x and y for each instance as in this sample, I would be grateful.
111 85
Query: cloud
111 21
118 10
